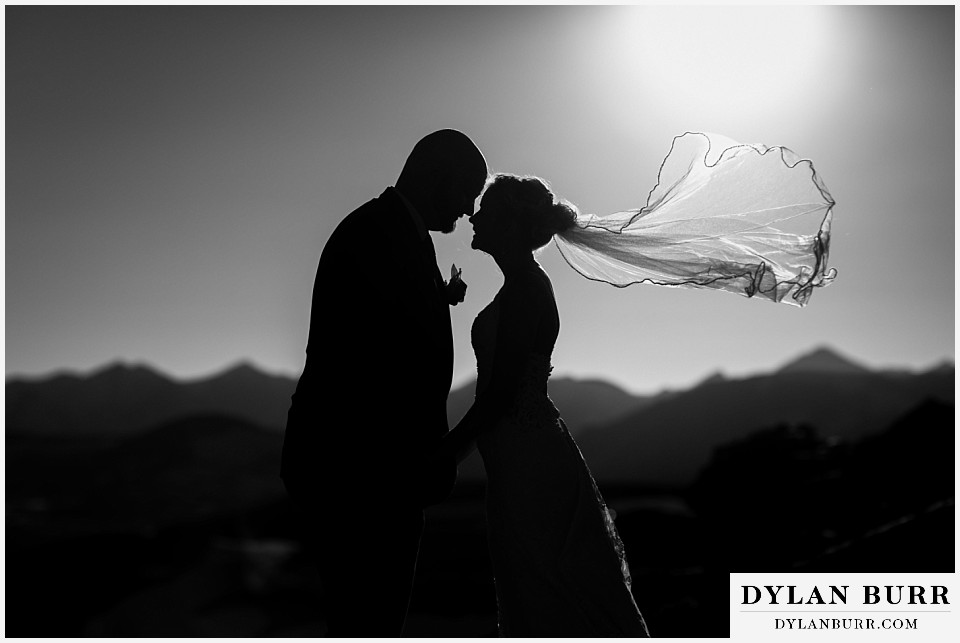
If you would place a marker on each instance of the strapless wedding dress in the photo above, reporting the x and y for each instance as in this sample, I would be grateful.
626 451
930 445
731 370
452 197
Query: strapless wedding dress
558 562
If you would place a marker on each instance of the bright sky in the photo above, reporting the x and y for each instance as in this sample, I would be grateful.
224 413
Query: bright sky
172 173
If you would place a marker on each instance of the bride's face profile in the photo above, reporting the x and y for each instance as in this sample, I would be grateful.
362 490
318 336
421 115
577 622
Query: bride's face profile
482 222
489 229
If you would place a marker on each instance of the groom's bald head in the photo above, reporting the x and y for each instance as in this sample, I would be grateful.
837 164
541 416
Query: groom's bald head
444 151
442 177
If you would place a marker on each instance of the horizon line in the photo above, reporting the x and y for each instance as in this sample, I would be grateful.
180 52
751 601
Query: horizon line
251 363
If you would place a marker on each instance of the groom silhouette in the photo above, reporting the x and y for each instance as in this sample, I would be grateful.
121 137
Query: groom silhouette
371 402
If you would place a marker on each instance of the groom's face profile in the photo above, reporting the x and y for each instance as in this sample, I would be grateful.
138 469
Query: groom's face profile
452 200
442 177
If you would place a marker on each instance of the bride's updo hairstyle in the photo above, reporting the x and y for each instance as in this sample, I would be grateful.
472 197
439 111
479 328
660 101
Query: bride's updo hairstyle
530 203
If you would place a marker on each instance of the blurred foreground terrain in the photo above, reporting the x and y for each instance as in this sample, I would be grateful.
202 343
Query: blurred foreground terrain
141 506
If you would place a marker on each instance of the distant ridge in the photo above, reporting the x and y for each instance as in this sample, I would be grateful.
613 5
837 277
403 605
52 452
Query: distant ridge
946 366
120 398
823 360
669 442
715 378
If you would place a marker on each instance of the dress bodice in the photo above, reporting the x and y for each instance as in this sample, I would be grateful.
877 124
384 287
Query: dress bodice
536 365
532 408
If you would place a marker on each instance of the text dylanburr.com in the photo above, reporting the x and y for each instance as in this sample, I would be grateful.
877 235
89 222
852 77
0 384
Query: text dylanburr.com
847 607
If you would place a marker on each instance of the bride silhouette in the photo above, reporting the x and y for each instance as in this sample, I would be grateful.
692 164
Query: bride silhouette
558 562
752 220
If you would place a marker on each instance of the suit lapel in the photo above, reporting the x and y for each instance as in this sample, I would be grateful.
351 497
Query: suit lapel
429 280
443 308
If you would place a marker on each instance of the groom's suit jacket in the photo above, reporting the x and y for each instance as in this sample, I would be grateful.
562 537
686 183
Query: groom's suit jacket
372 397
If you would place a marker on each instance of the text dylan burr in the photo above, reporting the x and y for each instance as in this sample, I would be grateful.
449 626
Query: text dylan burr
837 595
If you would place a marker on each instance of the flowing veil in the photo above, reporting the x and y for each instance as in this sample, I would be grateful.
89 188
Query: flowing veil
748 219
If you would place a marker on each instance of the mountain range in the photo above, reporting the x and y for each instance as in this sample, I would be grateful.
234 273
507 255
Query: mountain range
669 442
658 440
122 399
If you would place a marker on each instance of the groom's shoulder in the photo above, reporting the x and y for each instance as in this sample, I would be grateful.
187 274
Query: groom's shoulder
370 222
375 214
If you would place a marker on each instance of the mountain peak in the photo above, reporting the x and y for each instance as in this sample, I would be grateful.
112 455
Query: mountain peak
243 367
121 370
945 366
245 371
823 360
716 377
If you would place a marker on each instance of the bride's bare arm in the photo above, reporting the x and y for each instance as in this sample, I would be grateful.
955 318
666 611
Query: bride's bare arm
460 441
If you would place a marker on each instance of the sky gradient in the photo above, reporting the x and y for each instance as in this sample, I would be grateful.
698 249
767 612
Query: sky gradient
172 173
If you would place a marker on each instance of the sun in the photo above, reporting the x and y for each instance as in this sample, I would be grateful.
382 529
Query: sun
726 59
